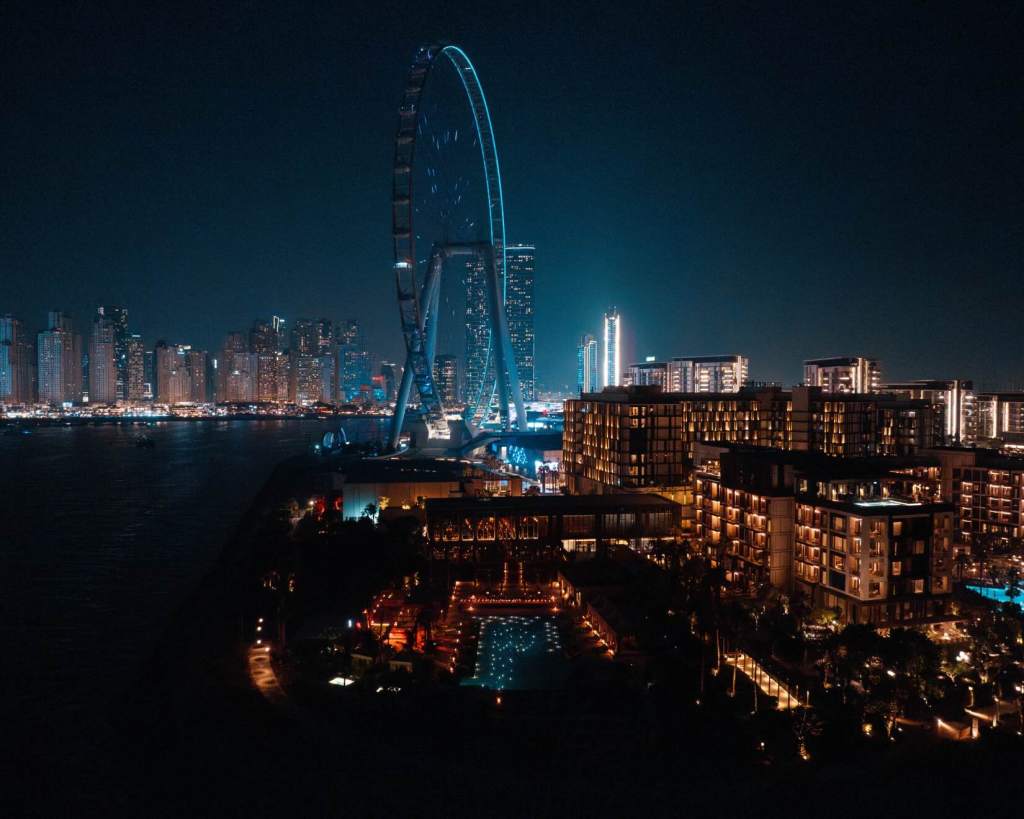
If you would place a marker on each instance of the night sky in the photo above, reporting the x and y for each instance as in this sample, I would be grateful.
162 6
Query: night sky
814 181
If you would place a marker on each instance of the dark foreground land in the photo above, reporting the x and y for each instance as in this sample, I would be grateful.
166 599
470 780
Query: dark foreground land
193 737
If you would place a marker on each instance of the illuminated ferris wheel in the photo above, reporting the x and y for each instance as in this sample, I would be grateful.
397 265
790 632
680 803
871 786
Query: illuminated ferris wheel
449 246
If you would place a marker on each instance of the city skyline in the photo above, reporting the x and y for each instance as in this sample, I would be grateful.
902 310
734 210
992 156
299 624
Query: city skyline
309 234
627 398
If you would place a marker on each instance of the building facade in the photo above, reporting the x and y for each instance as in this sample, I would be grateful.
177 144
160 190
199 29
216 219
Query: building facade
636 437
843 374
709 373
519 284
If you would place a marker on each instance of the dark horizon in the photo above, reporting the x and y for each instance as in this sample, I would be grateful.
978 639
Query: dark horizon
786 185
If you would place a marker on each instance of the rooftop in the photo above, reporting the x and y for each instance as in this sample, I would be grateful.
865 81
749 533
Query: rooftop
400 470
556 504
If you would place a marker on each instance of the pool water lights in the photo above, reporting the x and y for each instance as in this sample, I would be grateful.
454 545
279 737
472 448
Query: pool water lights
507 644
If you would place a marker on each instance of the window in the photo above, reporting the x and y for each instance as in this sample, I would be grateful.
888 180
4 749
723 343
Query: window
897 527
578 524
918 547
918 586
897 568
485 529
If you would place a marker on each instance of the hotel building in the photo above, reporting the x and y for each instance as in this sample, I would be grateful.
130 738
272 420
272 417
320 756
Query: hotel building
879 560
987 490
635 437
863 535
650 373
1001 416
853 374
710 373
954 401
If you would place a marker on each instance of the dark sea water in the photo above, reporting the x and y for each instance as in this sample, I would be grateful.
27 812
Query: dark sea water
101 540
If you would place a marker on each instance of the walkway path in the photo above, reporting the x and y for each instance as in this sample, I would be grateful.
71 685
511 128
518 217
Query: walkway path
762 679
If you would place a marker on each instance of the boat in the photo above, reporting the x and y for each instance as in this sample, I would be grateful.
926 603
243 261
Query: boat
145 442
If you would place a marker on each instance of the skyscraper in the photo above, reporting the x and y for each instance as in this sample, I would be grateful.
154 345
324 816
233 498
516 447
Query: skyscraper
59 356
446 380
173 375
263 337
391 373
118 318
519 267
15 363
586 364
611 372
271 365
135 368
305 382
353 360
195 363
236 370
149 374
103 386
479 357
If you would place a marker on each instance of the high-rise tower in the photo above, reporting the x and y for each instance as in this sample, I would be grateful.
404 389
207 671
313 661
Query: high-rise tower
103 374
118 318
519 267
586 365
15 363
611 370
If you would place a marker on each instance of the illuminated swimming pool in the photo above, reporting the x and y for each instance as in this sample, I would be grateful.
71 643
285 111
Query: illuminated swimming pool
518 652
1000 594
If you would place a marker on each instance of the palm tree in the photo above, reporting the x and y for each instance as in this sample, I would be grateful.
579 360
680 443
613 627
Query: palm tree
961 563
1012 582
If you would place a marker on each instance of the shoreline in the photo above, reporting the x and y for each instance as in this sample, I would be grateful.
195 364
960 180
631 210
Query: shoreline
147 421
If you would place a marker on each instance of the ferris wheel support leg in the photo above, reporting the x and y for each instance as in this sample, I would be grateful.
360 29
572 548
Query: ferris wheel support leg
398 419
432 300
